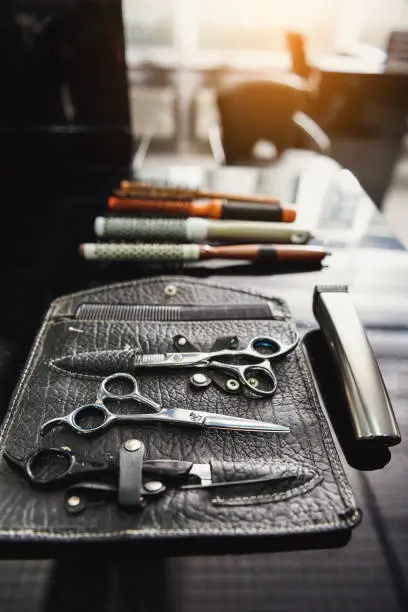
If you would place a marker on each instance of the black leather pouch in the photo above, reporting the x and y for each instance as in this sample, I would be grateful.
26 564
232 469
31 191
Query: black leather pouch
309 492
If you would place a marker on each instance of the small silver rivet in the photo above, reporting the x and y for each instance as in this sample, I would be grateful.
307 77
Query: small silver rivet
170 290
132 445
182 341
73 501
153 486
232 384
254 382
200 379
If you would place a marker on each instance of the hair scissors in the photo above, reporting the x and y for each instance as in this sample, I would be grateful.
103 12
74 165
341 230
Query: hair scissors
257 375
53 466
93 480
94 418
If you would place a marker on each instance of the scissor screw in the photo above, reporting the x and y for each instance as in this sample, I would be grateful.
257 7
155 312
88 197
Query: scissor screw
153 486
66 448
73 501
170 290
232 384
182 341
254 382
132 445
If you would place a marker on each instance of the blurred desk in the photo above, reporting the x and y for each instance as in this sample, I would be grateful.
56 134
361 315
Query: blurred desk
347 64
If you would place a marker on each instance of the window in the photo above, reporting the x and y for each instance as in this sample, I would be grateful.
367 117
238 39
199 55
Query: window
190 28
260 24
149 23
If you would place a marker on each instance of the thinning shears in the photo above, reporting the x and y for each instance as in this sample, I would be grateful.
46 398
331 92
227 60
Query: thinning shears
95 418
257 375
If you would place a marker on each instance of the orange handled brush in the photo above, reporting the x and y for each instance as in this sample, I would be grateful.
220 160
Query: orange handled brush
213 209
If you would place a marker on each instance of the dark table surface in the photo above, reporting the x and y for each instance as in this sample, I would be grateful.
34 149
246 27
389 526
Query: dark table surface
371 571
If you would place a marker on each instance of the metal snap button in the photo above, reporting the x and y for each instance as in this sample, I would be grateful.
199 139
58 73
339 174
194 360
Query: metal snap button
170 290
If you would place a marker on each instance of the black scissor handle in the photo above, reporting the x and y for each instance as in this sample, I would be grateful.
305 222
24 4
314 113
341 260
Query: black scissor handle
88 494
48 466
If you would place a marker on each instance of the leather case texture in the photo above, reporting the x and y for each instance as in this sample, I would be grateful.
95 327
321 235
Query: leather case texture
317 498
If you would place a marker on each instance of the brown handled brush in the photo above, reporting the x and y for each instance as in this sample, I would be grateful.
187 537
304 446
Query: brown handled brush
134 188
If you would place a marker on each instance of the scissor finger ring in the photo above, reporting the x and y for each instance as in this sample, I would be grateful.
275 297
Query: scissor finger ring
104 392
90 417
260 378
265 347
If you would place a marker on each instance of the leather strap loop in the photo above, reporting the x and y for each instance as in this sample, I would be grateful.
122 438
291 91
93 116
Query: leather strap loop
130 475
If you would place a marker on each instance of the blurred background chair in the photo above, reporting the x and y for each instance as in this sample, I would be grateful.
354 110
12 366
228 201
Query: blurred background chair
297 49
261 118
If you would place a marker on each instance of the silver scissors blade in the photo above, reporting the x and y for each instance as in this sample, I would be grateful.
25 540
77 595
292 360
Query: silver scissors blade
227 422
212 419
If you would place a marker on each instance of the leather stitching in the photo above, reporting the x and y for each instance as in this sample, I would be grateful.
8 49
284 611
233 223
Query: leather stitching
52 364
272 497
171 279
75 534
